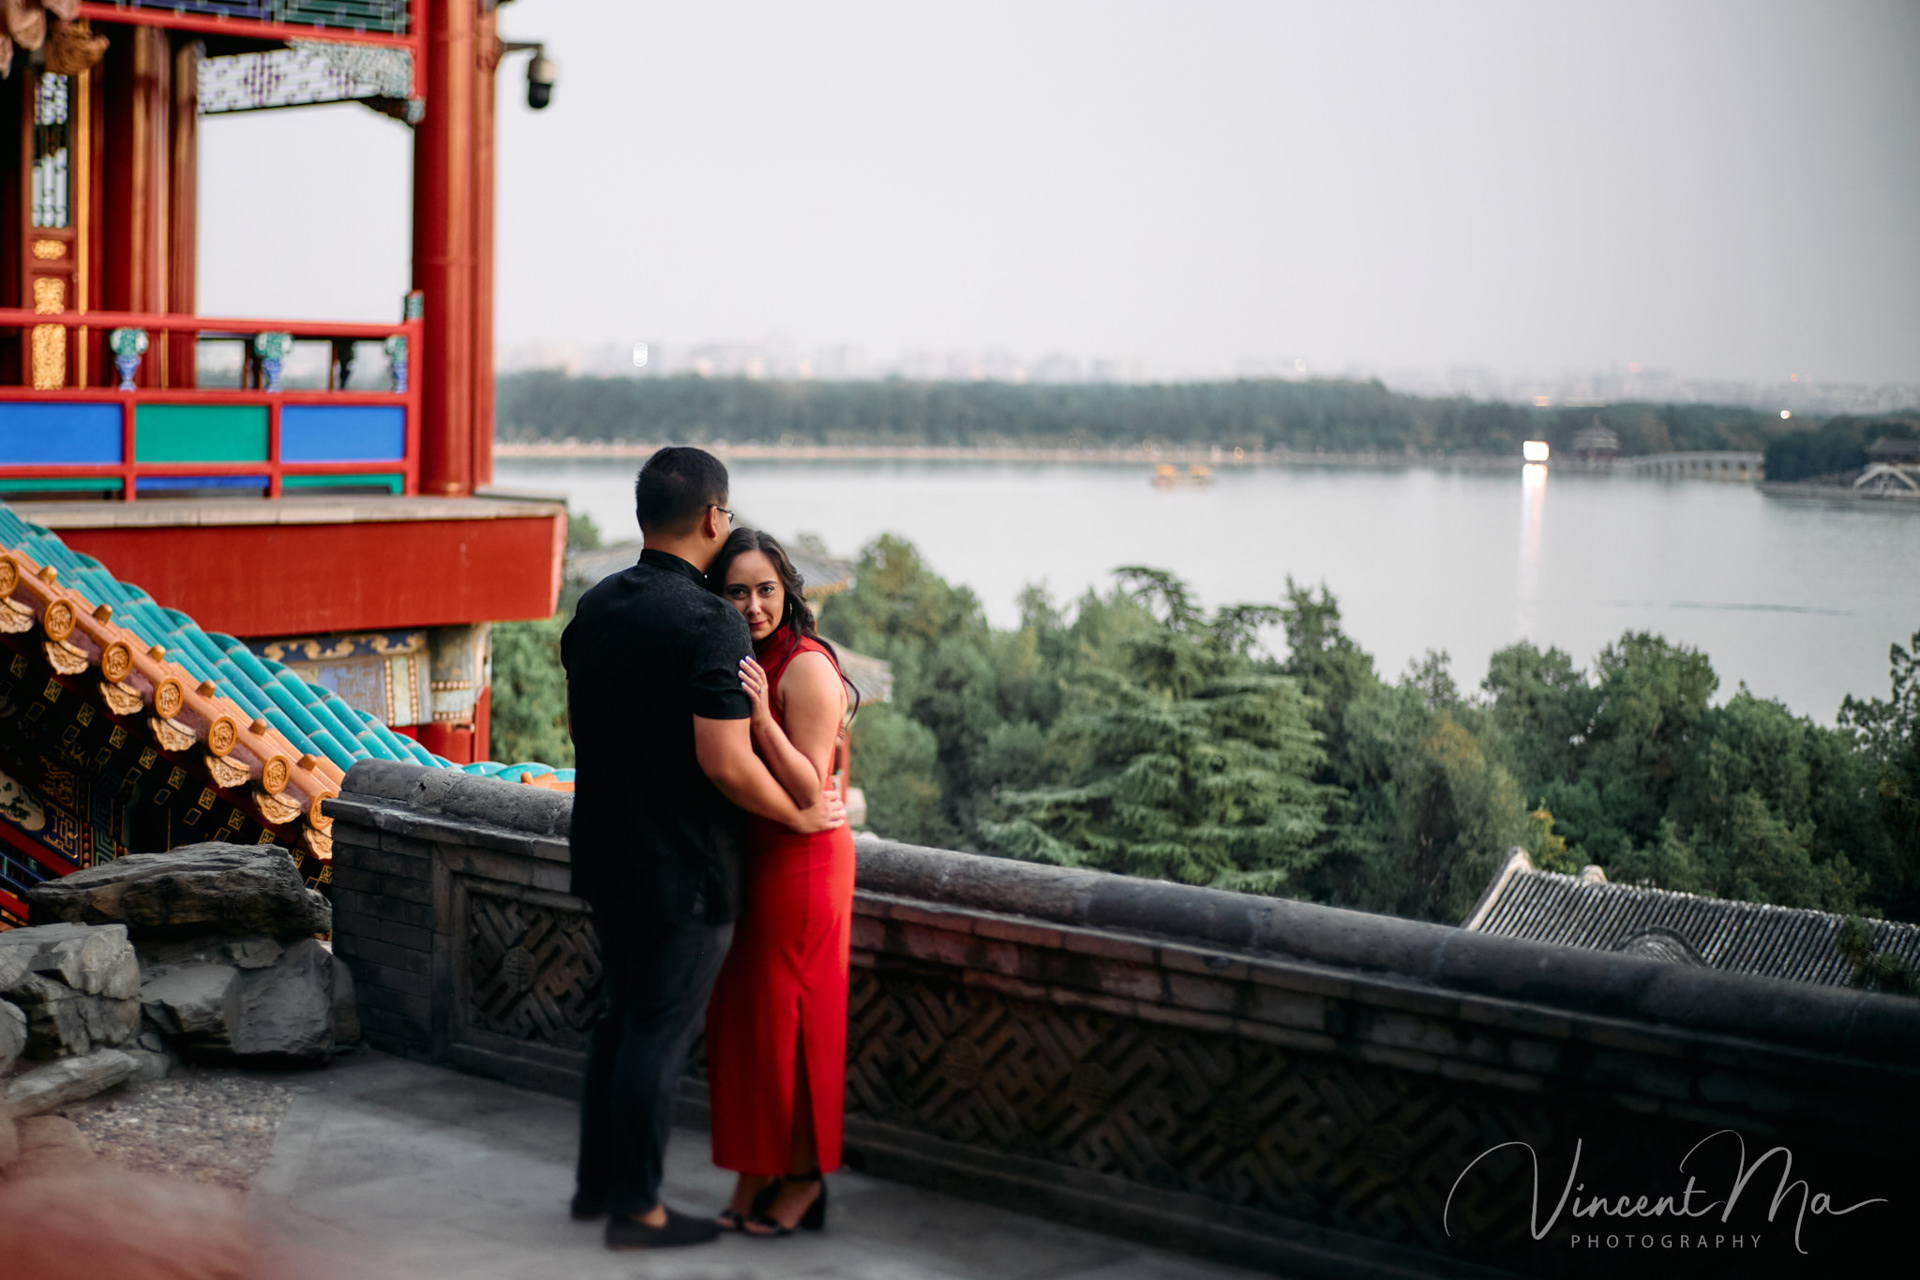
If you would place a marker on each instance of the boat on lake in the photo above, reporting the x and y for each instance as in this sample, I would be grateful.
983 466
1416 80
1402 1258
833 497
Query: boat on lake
1167 476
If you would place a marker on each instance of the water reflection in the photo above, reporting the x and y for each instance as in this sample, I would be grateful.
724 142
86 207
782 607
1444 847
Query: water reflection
1533 504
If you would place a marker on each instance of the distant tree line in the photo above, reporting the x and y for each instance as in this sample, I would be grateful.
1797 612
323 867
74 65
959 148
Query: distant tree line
1339 417
1835 447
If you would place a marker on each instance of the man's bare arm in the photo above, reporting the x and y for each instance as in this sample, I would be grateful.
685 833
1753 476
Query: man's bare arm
725 751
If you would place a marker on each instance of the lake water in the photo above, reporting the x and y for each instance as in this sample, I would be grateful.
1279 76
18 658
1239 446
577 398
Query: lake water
1798 597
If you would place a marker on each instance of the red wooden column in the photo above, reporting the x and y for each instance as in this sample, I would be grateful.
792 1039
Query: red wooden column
443 247
487 62
136 207
15 111
184 211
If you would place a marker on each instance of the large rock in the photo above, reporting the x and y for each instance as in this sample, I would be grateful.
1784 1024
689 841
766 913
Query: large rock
189 1003
67 1080
286 1010
112 1022
75 983
58 1018
212 1008
203 888
13 1034
255 952
93 959
346 1011
148 1065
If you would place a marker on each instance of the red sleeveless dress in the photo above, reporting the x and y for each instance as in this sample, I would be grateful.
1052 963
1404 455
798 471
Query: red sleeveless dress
782 991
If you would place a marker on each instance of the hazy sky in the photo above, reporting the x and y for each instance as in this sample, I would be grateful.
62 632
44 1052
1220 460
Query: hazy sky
1721 189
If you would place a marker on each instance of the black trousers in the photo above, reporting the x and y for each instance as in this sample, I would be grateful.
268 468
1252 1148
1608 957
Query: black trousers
658 978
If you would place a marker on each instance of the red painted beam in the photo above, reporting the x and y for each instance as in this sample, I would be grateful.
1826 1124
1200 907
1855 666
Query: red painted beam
22 843
298 579
166 322
265 470
199 395
218 24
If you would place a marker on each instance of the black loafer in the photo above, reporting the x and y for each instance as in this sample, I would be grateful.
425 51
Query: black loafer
680 1229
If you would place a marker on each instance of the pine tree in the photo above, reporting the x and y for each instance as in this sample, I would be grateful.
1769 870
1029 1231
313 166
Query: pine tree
1185 760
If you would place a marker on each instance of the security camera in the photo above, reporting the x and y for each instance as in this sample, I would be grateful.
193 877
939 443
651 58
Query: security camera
542 71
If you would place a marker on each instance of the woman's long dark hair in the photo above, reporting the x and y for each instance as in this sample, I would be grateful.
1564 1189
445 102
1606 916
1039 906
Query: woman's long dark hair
798 620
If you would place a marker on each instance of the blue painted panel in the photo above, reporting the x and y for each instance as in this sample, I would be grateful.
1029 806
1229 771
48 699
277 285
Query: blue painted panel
342 433
144 483
74 431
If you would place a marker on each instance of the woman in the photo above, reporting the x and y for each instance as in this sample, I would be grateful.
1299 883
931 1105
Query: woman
777 1024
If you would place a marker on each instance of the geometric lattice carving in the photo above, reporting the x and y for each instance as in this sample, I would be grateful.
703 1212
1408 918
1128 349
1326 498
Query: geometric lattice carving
533 972
1350 1145
309 71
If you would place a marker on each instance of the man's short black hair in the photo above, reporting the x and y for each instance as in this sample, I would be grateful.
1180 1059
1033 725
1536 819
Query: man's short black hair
675 488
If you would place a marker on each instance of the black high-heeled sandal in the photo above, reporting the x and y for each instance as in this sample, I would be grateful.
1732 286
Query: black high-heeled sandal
732 1220
765 1227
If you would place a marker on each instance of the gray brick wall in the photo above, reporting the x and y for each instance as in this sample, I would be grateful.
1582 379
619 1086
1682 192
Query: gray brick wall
376 889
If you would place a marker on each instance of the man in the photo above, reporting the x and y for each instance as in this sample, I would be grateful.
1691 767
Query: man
665 766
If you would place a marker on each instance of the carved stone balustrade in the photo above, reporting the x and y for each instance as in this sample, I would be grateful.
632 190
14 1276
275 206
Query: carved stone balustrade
1295 1087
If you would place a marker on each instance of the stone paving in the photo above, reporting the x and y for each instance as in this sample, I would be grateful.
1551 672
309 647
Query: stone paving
387 1169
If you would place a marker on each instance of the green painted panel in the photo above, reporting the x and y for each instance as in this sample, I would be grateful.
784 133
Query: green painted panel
61 484
393 481
200 433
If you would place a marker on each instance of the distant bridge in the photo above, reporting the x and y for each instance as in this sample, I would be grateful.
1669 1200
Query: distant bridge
1890 478
1728 465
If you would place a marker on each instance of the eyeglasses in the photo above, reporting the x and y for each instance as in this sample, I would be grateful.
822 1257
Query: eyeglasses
723 511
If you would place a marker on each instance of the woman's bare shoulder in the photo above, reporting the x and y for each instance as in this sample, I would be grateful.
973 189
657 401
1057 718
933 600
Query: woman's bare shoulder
811 674
811 666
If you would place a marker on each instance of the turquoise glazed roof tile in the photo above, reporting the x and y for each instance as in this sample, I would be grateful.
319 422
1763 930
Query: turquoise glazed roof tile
315 720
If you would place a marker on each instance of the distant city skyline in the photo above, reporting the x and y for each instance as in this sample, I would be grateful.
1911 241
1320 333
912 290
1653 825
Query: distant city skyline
1723 189
783 359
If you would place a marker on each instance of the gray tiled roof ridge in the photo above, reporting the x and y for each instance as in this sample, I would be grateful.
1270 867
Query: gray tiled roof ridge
1625 886
1763 939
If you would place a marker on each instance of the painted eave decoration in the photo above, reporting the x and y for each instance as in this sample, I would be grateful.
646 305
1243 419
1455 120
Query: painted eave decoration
270 744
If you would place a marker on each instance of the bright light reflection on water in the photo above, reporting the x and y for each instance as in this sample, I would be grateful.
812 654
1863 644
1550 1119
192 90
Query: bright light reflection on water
1797 597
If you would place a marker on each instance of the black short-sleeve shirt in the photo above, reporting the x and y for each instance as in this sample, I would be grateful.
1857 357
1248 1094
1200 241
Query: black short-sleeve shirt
648 650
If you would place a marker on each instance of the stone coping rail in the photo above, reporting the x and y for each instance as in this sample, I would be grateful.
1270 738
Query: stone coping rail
428 803
1837 1020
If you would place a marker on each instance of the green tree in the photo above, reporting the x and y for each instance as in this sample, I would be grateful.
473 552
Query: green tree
1260 414
1644 776
894 760
529 709
1184 762
1874 968
983 695
1886 733
1424 809
529 700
